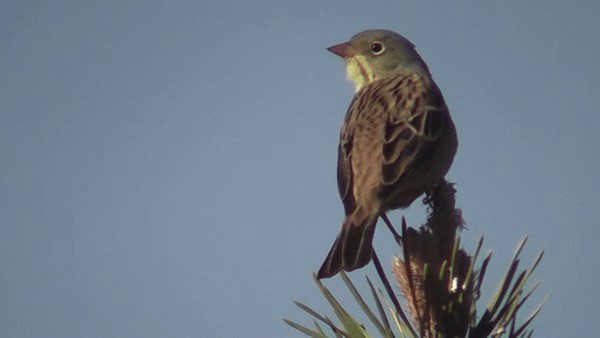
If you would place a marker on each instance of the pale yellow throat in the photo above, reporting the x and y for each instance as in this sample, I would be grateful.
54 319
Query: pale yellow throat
359 71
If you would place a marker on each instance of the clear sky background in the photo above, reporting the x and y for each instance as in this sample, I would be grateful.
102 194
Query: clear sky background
167 168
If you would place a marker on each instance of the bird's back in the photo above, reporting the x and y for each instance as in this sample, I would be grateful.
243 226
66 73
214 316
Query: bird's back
399 141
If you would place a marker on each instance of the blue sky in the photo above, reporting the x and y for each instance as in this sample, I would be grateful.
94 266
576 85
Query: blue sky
168 167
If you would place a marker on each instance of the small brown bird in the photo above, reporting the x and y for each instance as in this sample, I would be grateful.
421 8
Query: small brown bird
397 141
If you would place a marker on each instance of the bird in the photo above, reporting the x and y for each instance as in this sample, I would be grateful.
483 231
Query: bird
397 140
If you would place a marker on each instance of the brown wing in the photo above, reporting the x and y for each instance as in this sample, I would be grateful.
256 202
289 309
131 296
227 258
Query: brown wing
414 122
345 176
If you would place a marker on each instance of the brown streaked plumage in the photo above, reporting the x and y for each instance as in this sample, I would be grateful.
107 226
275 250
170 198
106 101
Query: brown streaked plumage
397 141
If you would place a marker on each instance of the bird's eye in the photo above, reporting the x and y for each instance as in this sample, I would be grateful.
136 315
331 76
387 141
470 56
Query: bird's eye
377 48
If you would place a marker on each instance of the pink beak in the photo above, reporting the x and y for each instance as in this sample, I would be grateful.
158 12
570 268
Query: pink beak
344 50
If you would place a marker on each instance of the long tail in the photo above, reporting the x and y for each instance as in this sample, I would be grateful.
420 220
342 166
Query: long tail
352 249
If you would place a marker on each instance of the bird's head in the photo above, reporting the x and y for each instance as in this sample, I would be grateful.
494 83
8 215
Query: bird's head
375 54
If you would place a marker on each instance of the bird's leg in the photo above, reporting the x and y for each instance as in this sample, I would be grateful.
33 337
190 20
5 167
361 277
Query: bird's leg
396 235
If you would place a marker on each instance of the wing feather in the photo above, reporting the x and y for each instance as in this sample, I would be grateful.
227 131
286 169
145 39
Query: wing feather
413 112
345 176
412 126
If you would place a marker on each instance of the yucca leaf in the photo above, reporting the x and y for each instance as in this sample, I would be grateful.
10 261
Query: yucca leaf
305 330
319 329
502 288
403 326
455 246
472 263
363 305
352 327
379 307
442 271
527 273
316 315
483 268
532 316
524 298
388 287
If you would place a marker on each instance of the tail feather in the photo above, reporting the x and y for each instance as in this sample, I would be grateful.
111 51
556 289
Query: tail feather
352 249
